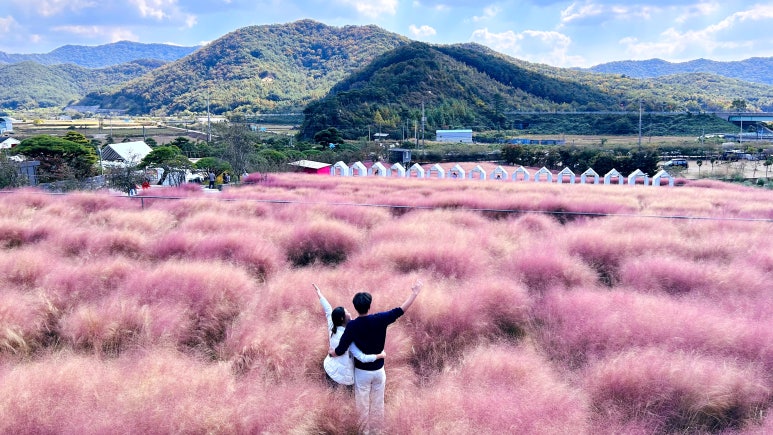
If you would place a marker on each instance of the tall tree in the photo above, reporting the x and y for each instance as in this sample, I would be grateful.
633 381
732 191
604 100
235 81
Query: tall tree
60 159
171 160
239 146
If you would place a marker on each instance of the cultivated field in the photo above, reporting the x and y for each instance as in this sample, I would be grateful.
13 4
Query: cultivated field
547 309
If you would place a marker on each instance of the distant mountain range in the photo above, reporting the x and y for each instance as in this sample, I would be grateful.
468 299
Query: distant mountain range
756 69
29 85
363 75
102 56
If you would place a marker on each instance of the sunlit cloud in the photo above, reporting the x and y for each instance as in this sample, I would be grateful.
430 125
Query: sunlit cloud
533 45
697 11
7 24
112 33
579 12
421 31
49 8
489 12
373 8
673 42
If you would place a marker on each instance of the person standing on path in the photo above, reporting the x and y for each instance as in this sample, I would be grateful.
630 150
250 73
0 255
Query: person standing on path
368 332
211 179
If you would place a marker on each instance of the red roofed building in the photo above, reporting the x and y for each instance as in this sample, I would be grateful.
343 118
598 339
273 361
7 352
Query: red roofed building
312 167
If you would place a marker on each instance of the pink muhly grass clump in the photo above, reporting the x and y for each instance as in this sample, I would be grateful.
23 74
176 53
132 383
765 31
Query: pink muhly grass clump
15 232
360 216
322 241
584 325
497 389
92 202
127 243
25 267
106 327
174 244
214 293
71 283
25 198
544 267
26 323
259 257
685 391
278 344
668 274
148 221
454 316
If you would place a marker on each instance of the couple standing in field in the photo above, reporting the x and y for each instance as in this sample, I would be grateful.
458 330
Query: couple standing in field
356 354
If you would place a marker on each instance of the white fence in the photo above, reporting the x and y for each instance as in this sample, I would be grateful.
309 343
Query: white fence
499 173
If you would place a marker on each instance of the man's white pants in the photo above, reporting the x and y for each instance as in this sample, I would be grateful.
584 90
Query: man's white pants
369 399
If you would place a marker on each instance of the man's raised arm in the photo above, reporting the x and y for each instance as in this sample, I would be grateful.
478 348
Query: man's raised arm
415 289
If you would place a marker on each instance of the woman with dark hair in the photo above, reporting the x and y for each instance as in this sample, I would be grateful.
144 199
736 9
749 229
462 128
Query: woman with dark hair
341 368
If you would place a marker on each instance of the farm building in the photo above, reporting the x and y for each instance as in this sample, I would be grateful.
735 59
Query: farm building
6 126
125 152
458 136
8 142
312 167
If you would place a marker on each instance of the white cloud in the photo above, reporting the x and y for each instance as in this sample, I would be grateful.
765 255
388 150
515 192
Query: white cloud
8 24
532 45
697 11
49 8
489 12
373 8
576 12
422 31
114 34
718 36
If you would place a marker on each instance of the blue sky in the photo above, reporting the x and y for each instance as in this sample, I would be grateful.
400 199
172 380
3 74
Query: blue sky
579 33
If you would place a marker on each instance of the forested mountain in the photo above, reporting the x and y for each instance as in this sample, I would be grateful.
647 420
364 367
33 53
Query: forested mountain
470 86
30 85
102 56
461 86
255 69
756 69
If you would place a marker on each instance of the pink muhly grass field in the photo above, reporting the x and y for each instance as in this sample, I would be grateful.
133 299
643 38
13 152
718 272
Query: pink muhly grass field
686 391
546 308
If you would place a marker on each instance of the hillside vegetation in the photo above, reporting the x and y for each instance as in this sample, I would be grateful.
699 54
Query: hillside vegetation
546 309
102 56
255 69
469 86
30 85
755 69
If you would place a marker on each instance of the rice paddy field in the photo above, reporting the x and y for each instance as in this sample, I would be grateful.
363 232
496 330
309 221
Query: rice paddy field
546 308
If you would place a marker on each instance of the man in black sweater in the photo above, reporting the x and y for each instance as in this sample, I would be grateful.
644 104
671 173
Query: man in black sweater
368 332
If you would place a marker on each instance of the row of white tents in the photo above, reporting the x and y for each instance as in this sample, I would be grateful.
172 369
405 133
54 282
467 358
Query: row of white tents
358 169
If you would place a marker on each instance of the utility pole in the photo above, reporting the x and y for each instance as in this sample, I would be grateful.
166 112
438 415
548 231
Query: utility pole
640 123
423 123
209 122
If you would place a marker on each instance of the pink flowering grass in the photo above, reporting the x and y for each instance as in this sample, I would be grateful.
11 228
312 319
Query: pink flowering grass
324 241
192 315
545 267
687 392
495 389
26 323
589 324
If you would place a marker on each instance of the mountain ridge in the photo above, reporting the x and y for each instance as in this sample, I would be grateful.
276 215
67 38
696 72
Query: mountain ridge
102 56
753 69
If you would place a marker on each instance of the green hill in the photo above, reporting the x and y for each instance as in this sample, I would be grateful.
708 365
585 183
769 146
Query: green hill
102 56
756 69
30 85
470 86
255 69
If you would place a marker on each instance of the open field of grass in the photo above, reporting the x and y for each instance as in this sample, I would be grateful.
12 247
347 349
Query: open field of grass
547 309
